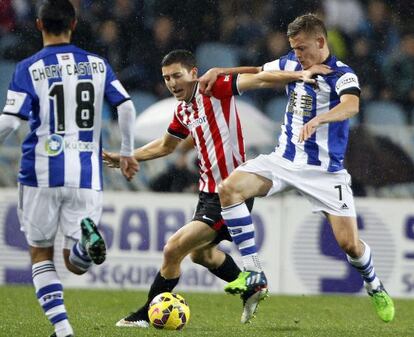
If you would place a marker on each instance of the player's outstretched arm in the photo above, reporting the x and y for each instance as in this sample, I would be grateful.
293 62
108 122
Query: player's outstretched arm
209 78
126 119
129 166
347 108
268 79
8 124
111 159
186 145
157 148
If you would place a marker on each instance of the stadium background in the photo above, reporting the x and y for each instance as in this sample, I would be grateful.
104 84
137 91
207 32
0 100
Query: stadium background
375 37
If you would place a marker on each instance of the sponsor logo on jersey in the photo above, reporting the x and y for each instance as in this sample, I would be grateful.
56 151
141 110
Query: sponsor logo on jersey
54 145
302 106
80 146
193 124
300 113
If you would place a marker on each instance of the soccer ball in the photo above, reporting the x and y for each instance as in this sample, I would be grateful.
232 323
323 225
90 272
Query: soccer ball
169 311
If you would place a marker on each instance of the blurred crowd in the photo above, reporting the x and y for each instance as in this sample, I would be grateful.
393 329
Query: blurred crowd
375 37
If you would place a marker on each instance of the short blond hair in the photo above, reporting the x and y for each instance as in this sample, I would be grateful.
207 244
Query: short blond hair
308 23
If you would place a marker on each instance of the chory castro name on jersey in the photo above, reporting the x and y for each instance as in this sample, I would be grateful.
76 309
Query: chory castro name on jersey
70 69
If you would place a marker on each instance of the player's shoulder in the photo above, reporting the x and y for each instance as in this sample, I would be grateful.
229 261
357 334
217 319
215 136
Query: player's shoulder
53 50
343 77
77 50
288 61
28 61
340 68
290 56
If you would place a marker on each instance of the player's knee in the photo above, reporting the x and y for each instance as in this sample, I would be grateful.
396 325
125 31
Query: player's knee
350 247
226 190
171 250
196 258
201 259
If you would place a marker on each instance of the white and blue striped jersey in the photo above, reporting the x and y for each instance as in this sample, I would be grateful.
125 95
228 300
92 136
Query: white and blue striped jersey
326 147
60 91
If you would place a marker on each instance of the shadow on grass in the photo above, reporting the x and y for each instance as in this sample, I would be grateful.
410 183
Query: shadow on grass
246 328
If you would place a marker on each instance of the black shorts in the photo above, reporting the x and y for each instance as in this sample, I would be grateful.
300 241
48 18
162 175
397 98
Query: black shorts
209 211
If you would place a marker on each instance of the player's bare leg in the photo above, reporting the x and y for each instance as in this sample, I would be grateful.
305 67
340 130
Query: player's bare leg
209 256
194 238
359 256
217 262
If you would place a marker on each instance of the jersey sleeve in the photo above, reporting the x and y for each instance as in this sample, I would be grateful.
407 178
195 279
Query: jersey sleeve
272 66
286 62
115 93
176 128
20 95
225 86
347 84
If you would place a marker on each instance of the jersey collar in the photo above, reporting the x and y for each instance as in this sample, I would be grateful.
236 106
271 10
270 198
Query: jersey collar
58 45
329 60
195 91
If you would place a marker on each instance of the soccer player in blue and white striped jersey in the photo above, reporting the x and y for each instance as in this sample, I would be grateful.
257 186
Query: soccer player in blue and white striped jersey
309 158
60 92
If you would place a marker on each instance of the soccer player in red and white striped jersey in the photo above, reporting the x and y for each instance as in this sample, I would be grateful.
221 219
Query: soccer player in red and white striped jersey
215 129
214 126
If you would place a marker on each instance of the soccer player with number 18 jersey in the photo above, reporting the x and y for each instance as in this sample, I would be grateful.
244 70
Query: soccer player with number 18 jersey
60 92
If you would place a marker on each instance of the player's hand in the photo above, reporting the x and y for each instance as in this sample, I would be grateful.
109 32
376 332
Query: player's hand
111 159
129 166
317 69
308 129
206 82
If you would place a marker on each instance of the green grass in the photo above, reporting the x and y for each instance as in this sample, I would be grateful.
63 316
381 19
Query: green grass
93 313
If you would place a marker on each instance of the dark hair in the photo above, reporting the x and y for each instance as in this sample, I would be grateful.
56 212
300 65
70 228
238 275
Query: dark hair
308 23
185 57
56 15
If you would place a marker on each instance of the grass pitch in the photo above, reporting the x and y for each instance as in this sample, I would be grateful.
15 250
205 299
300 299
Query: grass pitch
94 313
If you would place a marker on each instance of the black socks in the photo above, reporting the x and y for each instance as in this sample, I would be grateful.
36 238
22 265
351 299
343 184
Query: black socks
160 285
228 271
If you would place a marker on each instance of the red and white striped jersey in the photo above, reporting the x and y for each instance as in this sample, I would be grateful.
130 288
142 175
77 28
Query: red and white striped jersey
214 125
